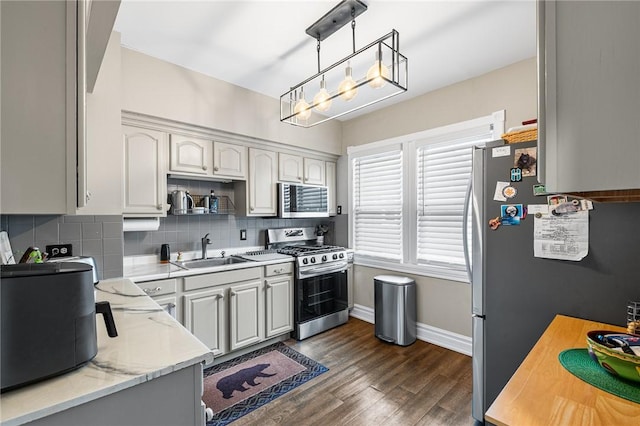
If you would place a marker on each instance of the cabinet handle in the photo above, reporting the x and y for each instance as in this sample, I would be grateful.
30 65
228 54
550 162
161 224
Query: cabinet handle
152 290
251 208
299 177
159 207
220 296
205 167
215 169
269 285
232 293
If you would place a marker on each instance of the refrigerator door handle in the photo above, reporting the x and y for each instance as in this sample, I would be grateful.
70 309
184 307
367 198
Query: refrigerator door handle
465 231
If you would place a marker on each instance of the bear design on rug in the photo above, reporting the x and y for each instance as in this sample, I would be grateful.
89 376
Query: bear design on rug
235 381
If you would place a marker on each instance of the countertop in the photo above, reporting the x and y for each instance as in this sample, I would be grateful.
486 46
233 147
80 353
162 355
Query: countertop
542 392
150 344
147 268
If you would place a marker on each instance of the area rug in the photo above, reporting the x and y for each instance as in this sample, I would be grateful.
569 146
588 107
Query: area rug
236 387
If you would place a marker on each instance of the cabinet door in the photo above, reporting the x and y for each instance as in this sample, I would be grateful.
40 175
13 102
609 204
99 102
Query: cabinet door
145 180
314 172
229 160
190 155
246 303
279 302
205 317
290 168
589 74
168 304
262 189
331 187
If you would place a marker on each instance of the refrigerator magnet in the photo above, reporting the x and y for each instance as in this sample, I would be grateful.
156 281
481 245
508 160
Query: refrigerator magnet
525 160
509 191
539 190
516 174
511 214
495 222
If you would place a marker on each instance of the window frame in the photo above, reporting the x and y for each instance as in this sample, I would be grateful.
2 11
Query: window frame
409 145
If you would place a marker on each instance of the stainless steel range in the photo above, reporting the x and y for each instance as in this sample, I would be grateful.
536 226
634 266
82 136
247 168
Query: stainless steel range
320 288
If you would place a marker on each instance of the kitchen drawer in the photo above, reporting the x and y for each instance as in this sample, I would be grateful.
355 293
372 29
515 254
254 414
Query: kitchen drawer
160 287
278 269
220 278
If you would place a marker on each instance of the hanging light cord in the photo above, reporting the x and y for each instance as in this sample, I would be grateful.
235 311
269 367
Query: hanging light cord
353 27
318 55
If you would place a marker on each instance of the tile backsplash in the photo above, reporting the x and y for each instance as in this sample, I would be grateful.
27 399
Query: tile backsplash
183 233
97 236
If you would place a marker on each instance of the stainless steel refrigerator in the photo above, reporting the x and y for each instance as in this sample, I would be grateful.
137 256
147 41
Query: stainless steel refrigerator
516 295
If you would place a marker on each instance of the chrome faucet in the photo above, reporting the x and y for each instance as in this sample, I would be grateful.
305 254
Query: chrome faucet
205 240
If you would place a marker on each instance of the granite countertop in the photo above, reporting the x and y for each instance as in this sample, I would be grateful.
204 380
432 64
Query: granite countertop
150 344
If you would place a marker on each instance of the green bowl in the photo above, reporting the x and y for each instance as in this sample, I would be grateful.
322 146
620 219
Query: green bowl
607 349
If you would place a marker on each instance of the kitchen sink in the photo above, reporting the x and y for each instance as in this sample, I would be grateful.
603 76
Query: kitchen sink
210 263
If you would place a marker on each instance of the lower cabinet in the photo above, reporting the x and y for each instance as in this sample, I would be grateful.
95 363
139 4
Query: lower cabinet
279 299
205 316
169 304
246 314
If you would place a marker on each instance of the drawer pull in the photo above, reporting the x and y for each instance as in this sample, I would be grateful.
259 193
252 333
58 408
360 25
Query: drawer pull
152 290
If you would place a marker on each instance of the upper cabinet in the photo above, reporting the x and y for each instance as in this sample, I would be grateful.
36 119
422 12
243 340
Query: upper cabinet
589 95
39 76
145 172
190 155
290 168
229 160
314 171
258 195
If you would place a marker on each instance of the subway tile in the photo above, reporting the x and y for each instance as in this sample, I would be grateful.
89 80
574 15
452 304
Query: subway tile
112 218
112 274
69 231
112 246
91 231
112 229
132 248
47 231
76 246
112 262
92 248
171 237
79 219
145 237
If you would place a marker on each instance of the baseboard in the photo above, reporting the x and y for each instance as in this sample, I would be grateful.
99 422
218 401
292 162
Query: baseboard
437 336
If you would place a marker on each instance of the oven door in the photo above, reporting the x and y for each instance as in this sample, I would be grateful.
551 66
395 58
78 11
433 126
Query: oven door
320 295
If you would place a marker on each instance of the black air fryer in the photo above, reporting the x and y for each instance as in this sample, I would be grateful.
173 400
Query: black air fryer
48 321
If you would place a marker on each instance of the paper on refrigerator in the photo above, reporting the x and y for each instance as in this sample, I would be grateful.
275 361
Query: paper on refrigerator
564 237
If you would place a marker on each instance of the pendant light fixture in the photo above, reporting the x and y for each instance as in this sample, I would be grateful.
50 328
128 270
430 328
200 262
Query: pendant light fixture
352 83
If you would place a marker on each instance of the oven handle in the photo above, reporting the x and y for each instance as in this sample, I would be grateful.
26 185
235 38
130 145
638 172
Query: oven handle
334 267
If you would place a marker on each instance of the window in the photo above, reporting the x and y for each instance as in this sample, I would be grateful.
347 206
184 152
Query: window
408 198
377 205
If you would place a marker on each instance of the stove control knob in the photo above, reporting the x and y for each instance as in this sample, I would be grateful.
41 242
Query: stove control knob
313 260
341 255
324 258
305 261
335 256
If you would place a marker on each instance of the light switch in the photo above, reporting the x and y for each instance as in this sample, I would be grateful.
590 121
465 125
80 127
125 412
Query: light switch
243 234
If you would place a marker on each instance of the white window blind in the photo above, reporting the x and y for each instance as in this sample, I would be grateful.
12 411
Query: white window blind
443 176
377 205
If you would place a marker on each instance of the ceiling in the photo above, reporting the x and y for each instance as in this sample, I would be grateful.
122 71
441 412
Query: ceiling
261 45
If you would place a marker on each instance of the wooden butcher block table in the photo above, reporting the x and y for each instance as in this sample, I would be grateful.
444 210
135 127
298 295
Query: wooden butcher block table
542 392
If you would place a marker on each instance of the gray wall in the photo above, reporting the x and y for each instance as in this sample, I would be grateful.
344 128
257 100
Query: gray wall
97 236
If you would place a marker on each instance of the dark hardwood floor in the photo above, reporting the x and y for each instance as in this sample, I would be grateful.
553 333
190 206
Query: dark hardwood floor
370 382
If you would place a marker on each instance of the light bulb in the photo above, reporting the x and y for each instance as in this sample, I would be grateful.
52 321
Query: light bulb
377 70
347 88
302 109
322 99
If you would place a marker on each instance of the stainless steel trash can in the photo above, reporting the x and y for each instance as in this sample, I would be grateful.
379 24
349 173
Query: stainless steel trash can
395 309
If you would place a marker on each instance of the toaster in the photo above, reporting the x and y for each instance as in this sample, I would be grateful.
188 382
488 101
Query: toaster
80 259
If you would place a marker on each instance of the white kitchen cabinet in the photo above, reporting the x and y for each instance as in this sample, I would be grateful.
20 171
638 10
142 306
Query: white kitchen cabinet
190 155
331 187
279 298
314 172
205 316
164 293
229 160
589 95
258 195
145 168
39 77
246 314
290 168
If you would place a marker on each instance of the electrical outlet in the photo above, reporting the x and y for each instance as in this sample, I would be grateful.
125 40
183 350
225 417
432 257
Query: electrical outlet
59 250
339 210
243 234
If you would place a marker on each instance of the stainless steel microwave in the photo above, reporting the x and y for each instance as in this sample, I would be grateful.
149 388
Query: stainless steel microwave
296 200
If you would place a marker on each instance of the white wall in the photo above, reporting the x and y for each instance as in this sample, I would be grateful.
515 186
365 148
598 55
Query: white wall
441 303
158 88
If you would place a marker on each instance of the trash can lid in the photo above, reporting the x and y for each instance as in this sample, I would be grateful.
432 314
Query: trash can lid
394 279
